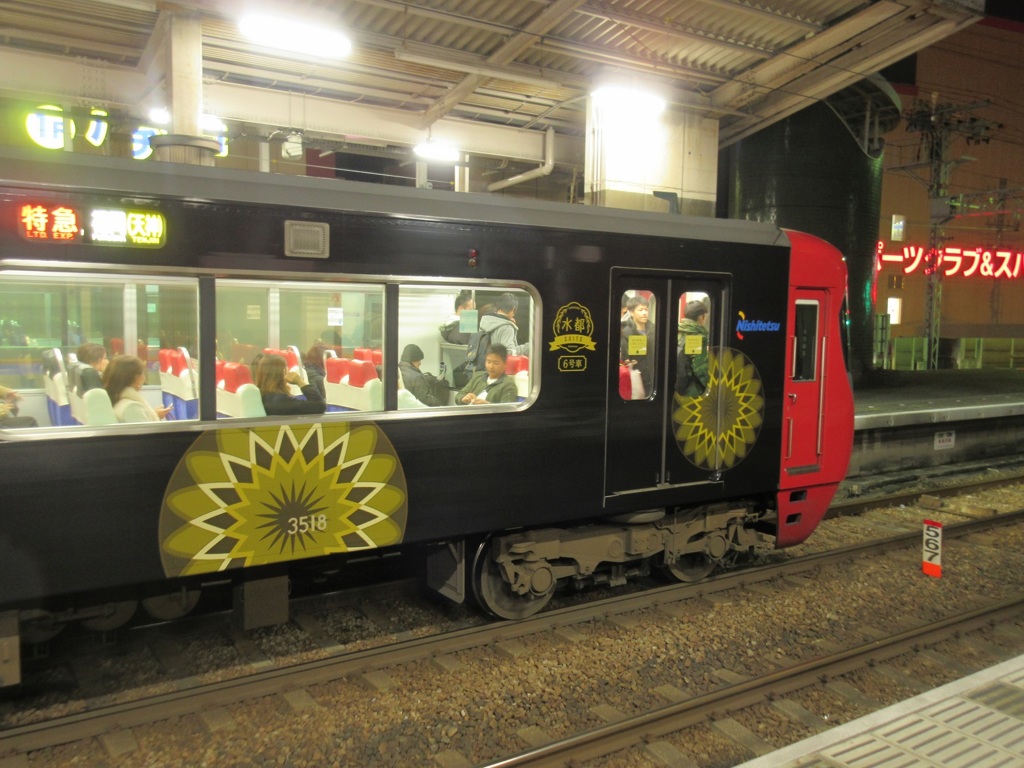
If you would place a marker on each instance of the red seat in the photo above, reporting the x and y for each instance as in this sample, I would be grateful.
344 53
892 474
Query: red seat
176 361
362 353
337 369
360 372
219 368
377 357
164 355
235 375
517 363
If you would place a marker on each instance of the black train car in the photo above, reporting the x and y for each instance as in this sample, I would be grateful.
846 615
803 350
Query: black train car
581 476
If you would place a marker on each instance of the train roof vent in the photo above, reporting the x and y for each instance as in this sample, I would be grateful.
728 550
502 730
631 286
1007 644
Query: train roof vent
307 239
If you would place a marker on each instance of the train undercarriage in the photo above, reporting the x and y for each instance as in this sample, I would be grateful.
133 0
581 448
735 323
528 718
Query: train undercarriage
515 575
510 575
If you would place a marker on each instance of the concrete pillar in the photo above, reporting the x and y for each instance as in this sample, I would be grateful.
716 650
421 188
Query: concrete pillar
462 173
185 143
10 649
655 162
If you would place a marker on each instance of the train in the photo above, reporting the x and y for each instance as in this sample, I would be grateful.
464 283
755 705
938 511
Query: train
589 474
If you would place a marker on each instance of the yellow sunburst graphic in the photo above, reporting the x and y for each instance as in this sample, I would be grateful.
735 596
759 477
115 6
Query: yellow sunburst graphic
245 497
717 430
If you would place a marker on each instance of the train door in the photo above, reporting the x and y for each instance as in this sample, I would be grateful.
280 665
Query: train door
803 428
650 358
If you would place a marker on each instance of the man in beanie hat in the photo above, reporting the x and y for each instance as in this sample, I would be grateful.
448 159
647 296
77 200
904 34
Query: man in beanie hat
423 386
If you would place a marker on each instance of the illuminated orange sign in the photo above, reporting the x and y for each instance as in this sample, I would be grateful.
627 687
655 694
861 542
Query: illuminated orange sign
102 226
39 222
953 260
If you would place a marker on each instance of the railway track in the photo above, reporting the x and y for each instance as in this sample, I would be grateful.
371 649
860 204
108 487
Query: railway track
368 667
854 505
646 731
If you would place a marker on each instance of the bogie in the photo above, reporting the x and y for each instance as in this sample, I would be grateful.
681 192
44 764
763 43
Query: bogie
515 575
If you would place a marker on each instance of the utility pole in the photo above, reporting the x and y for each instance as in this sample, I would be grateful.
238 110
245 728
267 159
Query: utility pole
939 125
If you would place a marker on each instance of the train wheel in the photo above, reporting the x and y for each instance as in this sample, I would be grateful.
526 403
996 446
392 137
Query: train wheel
496 595
690 568
114 615
172 605
40 629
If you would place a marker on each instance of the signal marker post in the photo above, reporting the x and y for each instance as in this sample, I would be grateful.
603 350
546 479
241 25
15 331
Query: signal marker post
931 555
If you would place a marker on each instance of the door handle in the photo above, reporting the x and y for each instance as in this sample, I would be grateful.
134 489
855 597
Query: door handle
792 397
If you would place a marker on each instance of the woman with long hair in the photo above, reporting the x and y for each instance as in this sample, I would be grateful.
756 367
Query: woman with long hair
313 362
273 378
123 380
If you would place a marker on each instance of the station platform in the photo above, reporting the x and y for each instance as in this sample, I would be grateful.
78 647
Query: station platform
974 722
898 398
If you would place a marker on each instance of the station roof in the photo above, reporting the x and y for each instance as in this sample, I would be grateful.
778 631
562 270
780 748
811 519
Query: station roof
520 64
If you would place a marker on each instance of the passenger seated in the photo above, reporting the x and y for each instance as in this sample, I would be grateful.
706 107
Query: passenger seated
93 359
490 385
123 381
313 362
425 387
9 418
273 378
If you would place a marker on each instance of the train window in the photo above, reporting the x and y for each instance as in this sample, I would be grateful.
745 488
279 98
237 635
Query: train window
49 320
692 344
805 344
335 330
437 324
638 343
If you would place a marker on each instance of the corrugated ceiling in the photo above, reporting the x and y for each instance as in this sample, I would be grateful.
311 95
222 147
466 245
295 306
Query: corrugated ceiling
520 63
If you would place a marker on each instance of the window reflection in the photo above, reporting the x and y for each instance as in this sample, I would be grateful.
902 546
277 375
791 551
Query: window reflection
330 336
48 320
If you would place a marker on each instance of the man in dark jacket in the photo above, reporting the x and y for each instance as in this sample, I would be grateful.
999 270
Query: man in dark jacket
93 359
423 386
450 330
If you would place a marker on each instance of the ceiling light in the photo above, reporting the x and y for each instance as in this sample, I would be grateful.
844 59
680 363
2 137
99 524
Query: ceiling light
629 100
310 39
212 124
438 151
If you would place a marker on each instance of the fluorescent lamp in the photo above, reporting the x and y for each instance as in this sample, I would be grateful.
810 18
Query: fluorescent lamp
438 151
309 39
212 124
629 100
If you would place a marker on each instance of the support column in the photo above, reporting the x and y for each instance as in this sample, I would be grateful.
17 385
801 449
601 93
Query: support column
648 161
462 173
10 649
185 143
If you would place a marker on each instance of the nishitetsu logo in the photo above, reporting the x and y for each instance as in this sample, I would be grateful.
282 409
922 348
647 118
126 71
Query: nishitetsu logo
753 326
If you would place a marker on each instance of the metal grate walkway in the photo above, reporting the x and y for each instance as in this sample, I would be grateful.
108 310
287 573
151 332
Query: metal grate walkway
975 722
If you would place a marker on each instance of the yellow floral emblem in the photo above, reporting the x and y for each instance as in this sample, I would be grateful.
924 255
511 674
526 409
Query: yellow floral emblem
246 497
716 431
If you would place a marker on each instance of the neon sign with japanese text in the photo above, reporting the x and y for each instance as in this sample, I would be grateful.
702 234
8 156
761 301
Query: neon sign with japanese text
100 226
954 261
51 127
